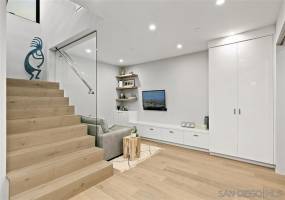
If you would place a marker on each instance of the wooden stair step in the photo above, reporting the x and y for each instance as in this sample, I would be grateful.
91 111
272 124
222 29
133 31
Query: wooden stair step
33 124
34 175
32 83
35 92
30 102
47 136
70 184
25 157
39 112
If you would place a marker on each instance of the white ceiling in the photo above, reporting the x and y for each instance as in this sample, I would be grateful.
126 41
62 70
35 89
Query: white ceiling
123 31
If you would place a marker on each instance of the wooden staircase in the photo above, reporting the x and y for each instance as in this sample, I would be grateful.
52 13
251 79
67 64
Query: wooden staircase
49 154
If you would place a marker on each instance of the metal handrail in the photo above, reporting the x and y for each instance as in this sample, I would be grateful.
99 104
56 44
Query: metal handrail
70 62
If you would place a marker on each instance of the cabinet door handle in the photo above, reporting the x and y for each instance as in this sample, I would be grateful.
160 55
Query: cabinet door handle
196 135
239 111
235 111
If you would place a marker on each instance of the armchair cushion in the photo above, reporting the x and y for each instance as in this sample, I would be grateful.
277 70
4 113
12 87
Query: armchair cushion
96 121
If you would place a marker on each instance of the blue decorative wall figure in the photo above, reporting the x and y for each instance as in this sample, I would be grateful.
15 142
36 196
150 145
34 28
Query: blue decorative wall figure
35 58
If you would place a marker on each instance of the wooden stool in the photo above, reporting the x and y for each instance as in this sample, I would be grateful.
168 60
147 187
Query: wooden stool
132 147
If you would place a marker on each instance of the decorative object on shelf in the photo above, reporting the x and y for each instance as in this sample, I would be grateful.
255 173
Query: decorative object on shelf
120 84
122 96
35 58
183 124
122 70
206 122
123 108
188 124
129 83
118 107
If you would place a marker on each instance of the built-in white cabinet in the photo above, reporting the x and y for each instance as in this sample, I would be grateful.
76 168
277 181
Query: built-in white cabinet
241 100
194 139
197 138
172 135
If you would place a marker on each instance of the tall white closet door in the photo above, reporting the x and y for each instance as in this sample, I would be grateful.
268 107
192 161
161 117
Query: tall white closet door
223 99
255 92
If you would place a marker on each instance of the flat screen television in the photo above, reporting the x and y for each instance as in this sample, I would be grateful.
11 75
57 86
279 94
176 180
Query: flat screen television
154 100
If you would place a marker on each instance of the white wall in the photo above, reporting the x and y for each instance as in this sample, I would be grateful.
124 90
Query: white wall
280 109
20 33
85 103
185 80
3 185
106 88
59 23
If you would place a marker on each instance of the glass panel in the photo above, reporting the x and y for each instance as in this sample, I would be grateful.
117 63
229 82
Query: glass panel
23 8
78 75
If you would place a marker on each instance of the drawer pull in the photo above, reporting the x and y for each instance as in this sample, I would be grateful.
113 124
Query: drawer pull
196 135
151 129
171 131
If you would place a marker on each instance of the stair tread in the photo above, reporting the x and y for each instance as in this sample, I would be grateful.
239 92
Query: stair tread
42 131
24 113
32 83
26 178
46 136
61 182
37 92
35 148
40 123
37 166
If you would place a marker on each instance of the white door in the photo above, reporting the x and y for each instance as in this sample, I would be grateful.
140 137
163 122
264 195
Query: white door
255 72
223 99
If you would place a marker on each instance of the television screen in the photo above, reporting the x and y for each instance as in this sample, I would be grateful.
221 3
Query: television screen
154 100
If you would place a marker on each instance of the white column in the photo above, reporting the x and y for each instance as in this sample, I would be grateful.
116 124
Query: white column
280 111
3 185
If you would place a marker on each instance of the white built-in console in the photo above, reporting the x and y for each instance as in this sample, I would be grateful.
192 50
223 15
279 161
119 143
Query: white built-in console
191 137
174 134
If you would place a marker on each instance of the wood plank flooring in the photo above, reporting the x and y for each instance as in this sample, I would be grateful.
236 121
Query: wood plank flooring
181 174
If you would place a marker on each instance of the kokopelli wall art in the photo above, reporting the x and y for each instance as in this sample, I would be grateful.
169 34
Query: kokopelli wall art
35 59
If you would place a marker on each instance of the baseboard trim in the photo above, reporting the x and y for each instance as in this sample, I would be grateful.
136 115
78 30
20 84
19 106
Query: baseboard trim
243 160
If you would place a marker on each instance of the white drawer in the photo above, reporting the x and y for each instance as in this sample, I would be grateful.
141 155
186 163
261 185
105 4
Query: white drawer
150 132
174 136
199 140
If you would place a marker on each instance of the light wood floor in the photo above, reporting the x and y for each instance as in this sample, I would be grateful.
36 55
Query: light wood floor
178 173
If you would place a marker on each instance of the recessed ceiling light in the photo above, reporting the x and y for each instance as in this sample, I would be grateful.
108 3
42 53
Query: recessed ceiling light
88 50
121 60
179 46
152 27
220 2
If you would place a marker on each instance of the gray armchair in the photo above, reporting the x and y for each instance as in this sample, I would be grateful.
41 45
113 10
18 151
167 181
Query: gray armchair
110 139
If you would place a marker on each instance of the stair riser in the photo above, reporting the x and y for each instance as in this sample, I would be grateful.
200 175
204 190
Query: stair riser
51 151
26 125
21 141
32 84
26 102
39 112
34 92
24 181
